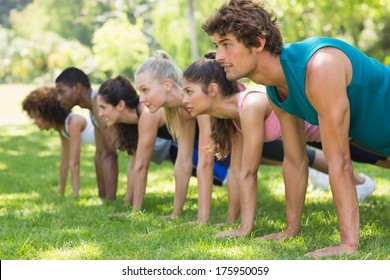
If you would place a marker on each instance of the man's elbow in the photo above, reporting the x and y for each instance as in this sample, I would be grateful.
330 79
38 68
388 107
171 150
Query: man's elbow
340 164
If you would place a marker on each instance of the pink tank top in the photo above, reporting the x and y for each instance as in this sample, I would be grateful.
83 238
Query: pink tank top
272 129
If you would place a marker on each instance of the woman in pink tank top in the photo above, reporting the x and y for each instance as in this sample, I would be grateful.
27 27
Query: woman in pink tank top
242 121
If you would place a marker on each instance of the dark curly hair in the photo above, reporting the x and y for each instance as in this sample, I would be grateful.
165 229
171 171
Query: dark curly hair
43 101
246 20
204 72
112 91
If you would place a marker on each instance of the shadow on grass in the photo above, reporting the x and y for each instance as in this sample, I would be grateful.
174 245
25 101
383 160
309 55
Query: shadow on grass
37 223
30 159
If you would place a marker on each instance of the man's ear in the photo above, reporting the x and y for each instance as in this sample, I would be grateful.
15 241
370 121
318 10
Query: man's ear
213 89
261 46
77 88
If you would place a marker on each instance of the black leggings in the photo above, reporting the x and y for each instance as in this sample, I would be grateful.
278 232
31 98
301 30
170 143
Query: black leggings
274 151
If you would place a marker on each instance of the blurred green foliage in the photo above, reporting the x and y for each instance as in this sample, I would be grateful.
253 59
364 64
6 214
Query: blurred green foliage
118 46
39 38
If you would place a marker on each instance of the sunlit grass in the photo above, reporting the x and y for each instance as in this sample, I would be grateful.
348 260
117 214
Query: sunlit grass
80 252
38 223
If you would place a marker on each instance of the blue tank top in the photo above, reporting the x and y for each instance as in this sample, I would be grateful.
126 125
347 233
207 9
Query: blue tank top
368 92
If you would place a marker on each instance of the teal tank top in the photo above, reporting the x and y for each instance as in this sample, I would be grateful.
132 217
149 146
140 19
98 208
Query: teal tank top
368 92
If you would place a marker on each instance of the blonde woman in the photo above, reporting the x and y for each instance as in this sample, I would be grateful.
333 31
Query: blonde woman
159 82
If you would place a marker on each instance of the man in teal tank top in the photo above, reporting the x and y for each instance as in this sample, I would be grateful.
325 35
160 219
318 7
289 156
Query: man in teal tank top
368 91
321 80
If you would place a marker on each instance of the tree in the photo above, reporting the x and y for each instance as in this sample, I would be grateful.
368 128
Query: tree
173 32
119 46
59 16
355 21
122 33
193 36
7 6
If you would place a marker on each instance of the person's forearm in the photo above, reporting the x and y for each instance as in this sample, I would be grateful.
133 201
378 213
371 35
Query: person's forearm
205 185
110 174
248 196
346 203
295 188
182 178
75 174
129 190
63 177
233 188
99 175
139 187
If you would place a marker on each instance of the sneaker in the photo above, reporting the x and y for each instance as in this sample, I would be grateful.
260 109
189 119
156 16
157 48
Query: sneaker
366 189
318 180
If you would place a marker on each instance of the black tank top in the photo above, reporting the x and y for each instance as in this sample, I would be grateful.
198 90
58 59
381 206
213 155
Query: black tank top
162 131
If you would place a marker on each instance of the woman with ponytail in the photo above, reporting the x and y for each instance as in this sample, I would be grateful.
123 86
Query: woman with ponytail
243 124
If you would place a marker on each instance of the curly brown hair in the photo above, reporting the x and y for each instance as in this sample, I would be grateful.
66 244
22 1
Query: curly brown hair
43 101
112 91
246 20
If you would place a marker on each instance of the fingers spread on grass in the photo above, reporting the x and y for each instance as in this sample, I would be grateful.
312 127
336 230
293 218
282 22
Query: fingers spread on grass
276 236
332 251
230 233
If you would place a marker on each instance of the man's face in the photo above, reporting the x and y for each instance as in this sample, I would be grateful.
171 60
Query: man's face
66 95
237 60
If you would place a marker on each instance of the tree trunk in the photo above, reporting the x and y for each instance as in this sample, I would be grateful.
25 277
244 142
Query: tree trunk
193 38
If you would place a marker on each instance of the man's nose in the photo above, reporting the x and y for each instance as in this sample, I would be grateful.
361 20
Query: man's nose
219 56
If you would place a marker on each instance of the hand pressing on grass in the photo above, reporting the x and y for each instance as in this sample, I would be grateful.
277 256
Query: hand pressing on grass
279 235
341 249
171 216
232 233
191 223
197 222
221 225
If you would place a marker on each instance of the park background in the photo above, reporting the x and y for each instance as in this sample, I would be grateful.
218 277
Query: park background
38 39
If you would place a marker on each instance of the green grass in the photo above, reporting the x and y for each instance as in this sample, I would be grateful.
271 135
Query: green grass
37 223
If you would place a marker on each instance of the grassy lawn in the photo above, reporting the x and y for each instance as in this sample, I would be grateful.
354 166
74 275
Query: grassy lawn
38 223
